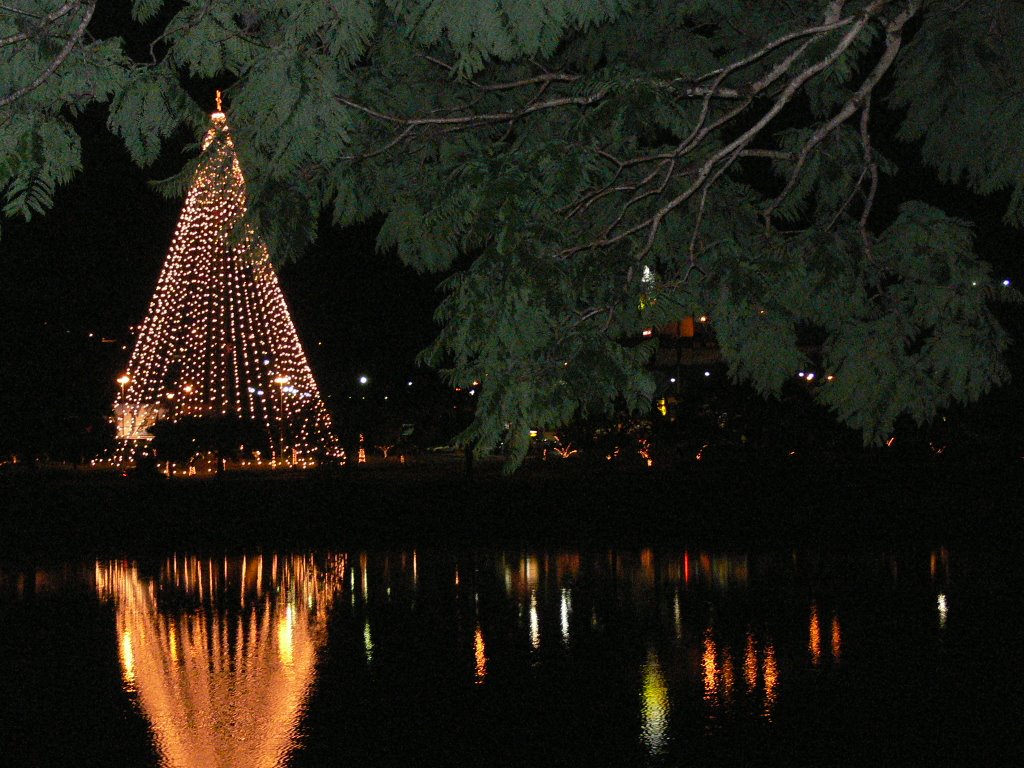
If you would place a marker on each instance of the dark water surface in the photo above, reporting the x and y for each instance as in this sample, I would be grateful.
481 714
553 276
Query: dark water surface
515 657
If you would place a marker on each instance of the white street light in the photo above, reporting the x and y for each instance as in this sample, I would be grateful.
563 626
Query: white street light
123 381
282 382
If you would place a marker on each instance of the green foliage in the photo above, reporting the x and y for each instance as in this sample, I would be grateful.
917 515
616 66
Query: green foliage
144 10
39 148
147 110
570 157
926 338
960 82
48 152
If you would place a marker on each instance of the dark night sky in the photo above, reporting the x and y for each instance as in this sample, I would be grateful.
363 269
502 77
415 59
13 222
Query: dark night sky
90 266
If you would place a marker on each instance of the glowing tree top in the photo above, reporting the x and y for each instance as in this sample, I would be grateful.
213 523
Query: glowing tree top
218 340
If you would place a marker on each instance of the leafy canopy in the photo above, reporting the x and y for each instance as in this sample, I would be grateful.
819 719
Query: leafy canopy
601 166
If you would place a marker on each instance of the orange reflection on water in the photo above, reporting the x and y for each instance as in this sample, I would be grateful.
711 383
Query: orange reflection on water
647 565
814 636
938 564
567 565
721 676
127 660
750 663
709 663
480 656
531 571
286 637
728 682
771 679
218 662
173 643
837 639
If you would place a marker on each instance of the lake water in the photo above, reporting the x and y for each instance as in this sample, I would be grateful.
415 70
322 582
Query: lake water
515 657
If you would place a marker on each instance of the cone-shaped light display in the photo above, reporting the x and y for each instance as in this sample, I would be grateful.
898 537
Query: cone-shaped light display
218 340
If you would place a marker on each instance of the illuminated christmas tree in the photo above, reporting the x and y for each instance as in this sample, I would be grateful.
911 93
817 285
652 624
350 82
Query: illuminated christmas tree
218 341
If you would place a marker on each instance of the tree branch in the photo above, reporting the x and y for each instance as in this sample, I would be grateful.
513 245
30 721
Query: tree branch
396 140
57 61
730 151
849 199
832 22
701 129
481 119
872 168
19 12
44 21
893 43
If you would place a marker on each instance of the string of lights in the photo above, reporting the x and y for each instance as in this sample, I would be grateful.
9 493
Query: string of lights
218 339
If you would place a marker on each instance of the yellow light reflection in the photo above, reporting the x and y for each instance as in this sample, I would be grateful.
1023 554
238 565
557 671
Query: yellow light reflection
654 706
219 667
172 641
286 637
127 659
480 656
943 610
368 641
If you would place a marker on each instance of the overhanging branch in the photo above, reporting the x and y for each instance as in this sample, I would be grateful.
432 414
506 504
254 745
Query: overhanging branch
41 24
59 59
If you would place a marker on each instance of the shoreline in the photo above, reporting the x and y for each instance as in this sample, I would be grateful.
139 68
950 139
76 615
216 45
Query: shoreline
740 505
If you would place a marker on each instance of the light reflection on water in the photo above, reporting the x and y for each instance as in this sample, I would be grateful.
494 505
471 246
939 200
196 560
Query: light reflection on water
479 656
654 705
221 655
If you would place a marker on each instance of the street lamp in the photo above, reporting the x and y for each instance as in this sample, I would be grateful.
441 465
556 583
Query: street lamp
282 382
123 381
